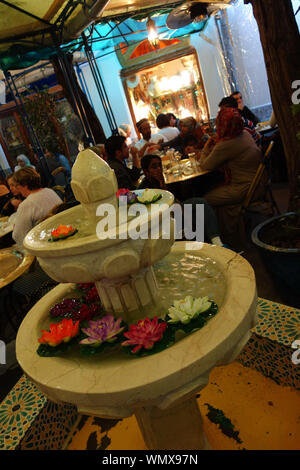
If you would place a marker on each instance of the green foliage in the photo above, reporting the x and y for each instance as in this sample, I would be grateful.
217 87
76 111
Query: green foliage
295 111
44 117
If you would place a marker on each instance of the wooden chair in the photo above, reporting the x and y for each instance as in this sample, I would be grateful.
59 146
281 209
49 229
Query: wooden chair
60 191
259 202
265 202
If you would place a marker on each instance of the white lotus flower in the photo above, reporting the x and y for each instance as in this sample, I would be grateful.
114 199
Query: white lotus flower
188 309
148 195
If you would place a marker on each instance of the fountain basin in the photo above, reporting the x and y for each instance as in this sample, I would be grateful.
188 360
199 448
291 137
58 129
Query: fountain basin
85 257
117 386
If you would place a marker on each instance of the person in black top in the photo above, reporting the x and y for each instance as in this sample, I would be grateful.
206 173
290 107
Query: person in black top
154 179
117 151
244 111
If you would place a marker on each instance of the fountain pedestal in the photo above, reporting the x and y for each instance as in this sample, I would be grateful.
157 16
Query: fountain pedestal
129 294
179 427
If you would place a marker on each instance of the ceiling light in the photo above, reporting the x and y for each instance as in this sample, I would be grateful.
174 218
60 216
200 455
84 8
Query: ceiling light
152 33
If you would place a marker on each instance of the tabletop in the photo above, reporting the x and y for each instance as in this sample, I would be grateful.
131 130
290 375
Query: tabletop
6 225
13 264
175 172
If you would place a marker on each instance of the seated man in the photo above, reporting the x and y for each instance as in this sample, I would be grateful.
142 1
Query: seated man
60 173
163 124
244 111
148 140
117 151
154 178
37 204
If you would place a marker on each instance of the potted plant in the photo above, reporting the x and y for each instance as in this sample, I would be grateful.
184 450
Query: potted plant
278 240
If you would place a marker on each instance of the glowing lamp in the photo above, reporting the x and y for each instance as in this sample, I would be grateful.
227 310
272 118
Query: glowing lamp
152 33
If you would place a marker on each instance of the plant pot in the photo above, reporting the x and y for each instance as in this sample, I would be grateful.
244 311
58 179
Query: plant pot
282 263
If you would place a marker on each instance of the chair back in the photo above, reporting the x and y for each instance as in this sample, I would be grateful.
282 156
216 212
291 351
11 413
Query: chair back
267 154
258 176
60 191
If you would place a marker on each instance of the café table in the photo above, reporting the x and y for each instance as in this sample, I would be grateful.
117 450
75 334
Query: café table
13 263
6 225
183 171
187 179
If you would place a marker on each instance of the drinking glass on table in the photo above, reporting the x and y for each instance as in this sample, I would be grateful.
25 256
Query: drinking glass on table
193 160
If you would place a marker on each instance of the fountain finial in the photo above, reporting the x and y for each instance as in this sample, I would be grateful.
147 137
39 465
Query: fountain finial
93 182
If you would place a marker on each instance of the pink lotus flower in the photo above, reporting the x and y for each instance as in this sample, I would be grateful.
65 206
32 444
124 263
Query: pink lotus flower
145 333
105 329
131 197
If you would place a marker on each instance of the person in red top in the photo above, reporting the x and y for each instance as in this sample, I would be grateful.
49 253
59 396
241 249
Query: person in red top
230 102
234 149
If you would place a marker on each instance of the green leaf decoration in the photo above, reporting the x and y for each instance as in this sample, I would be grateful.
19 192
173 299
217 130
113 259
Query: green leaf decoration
44 350
167 340
155 199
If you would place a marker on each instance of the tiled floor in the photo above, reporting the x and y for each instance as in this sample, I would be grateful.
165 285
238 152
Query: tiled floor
264 416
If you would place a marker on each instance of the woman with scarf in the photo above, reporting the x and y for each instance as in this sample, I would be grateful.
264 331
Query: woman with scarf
234 150
188 127
23 162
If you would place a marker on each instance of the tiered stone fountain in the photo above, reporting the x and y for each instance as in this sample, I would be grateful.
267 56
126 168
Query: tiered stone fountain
136 278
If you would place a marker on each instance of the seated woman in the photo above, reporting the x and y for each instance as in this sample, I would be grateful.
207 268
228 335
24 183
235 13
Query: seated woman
13 198
23 162
37 204
188 126
234 149
154 179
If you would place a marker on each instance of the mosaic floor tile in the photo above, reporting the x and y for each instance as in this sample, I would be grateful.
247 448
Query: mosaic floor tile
272 359
277 322
17 412
28 420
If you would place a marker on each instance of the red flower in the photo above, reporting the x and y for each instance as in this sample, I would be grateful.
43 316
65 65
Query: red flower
92 295
122 192
145 333
85 286
62 231
60 332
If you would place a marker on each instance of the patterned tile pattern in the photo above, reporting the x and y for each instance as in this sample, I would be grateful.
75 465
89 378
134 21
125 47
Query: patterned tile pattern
269 349
272 359
28 420
277 322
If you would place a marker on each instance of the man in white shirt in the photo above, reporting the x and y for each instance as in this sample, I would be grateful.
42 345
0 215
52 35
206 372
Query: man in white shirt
163 124
148 141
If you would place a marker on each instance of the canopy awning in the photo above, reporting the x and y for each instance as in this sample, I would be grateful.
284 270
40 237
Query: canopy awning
29 26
